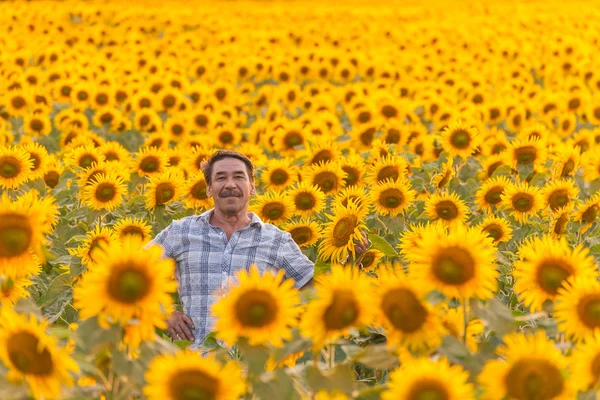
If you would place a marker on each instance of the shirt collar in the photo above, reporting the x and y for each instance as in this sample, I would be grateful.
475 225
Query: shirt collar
254 221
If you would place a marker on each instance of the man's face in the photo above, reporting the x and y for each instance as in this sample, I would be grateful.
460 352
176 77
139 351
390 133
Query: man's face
231 186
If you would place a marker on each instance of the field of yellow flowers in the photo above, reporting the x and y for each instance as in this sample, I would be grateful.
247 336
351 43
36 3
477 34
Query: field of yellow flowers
463 137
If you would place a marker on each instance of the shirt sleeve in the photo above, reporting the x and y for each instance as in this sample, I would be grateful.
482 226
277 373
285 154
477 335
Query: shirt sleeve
169 239
295 264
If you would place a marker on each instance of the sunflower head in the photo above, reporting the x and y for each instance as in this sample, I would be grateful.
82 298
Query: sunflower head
447 208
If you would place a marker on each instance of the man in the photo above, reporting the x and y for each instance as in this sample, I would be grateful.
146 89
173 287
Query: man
211 247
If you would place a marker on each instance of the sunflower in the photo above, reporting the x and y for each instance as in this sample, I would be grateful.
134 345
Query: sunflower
163 188
453 320
190 375
17 102
354 167
421 378
34 356
259 308
37 124
560 219
523 200
304 232
392 197
566 162
341 232
490 193
360 195
458 264
441 179
195 193
105 192
95 238
587 214
369 260
591 165
342 303
543 267
40 157
115 152
328 177
273 207
497 228
150 161
410 238
585 362
15 167
197 157
447 208
408 320
128 285
460 139
528 152
559 193
576 308
84 156
13 289
388 167
131 226
289 361
490 164
322 152
279 174
531 368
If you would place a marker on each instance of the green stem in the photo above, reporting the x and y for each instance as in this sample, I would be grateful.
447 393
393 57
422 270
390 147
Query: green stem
465 320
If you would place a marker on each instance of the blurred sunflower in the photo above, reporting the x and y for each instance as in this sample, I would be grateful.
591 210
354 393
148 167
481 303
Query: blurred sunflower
341 232
304 232
410 238
392 197
588 212
369 260
128 283
490 164
115 152
307 199
421 378
566 161
342 303
150 161
447 208
543 267
13 289
497 228
490 193
34 356
322 152
163 188
132 226
459 264
522 200
190 375
37 124
328 177
388 167
279 174
584 361
84 156
105 192
591 165
260 308
454 320
559 193
529 152
196 196
354 167
361 196
442 178
40 158
576 308
560 220
15 167
409 321
273 207
460 139
95 239
531 367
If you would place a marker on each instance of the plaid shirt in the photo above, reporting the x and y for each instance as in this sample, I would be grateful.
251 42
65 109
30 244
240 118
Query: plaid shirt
206 261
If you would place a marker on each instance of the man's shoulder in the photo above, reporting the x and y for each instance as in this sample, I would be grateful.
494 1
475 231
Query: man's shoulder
273 230
187 222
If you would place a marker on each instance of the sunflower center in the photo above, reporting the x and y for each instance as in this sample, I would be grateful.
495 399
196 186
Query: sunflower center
428 389
391 198
194 385
525 154
568 168
9 167
305 201
201 121
342 312
86 160
51 179
226 137
551 274
561 224
446 210
293 139
26 355
389 111
35 159
351 175
36 125
322 156
149 164
590 214
596 367
460 138
494 231
534 380
16 235
343 230
279 177
326 181
493 167
164 192
388 172
132 230
273 211
522 202
558 198
403 310
256 308
105 192
128 285
368 259
454 266
589 310
301 234
493 196
199 191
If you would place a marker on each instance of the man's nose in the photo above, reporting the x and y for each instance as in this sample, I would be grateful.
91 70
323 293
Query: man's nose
230 183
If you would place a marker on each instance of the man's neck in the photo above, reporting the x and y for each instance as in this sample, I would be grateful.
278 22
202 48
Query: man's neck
230 223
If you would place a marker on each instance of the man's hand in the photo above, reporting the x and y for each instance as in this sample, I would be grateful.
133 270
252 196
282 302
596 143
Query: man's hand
362 246
180 326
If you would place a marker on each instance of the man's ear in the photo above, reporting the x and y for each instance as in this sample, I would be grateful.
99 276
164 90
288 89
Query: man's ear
208 191
252 189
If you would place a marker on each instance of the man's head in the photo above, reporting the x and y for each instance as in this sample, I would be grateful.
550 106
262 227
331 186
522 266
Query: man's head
230 181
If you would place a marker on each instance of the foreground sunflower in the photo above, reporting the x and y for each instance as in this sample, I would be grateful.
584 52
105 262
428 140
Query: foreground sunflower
497 228
95 239
410 238
133 226
13 289
576 308
328 177
392 197
304 232
460 139
341 233
361 195
31 354
409 321
447 208
543 267
163 188
15 167
127 283
105 192
190 375
585 362
342 303
421 378
260 308
273 207
523 200
307 199
279 174
458 264
531 368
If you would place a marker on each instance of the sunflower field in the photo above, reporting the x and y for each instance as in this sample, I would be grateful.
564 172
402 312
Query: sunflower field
463 138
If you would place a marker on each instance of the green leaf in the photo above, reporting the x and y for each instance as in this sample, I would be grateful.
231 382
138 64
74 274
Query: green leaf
373 393
379 243
372 356
496 314
255 357
182 344
341 378
280 386
322 267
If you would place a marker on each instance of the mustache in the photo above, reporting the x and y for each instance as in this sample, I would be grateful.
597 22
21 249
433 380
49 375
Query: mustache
230 193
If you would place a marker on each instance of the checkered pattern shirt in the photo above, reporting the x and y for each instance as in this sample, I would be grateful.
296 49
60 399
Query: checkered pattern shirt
206 261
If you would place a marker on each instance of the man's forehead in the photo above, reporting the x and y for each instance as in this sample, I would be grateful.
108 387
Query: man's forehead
229 165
